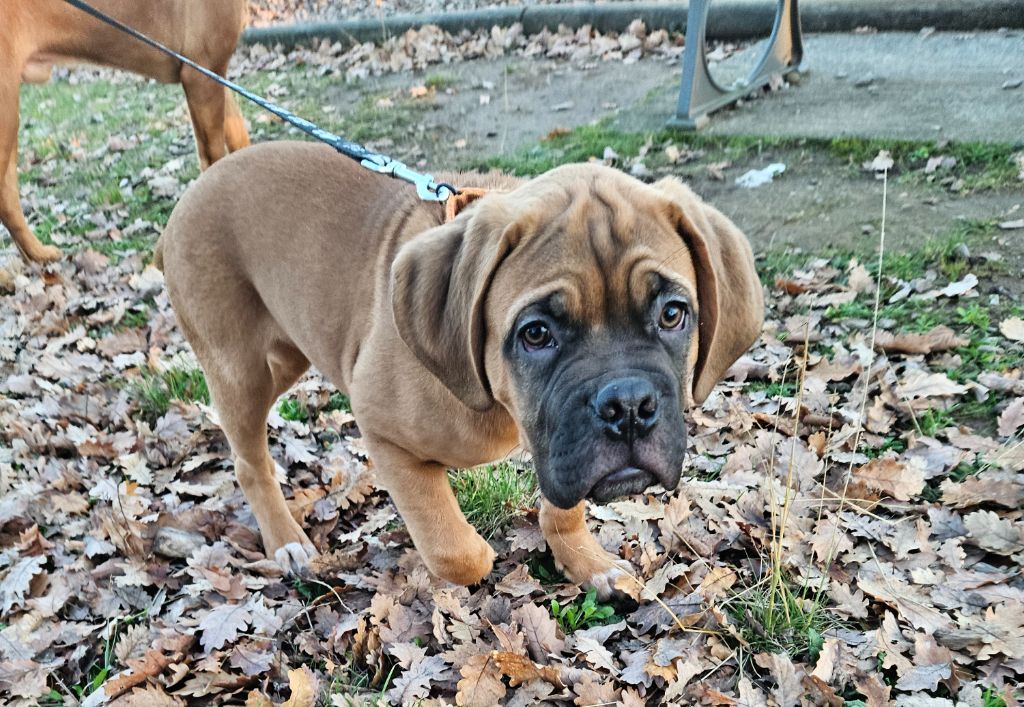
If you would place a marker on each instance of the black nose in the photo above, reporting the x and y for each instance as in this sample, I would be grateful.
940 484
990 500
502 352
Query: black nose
627 408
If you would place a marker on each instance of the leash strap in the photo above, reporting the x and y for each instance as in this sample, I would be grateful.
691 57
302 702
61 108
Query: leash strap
426 188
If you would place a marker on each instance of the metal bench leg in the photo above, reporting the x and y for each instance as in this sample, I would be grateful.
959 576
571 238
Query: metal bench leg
699 94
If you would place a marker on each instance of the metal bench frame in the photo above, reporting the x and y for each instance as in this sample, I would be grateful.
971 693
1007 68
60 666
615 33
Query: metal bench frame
699 94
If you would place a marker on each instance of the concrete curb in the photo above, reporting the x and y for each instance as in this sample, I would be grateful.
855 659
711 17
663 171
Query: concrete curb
740 19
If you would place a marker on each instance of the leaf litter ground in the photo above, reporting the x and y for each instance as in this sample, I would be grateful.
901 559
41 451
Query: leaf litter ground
840 539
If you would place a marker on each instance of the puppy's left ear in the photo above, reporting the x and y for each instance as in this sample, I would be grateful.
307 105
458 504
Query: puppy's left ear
439 285
730 302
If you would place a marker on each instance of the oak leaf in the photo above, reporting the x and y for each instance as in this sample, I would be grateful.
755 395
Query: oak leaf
414 682
520 669
543 637
940 338
995 487
304 688
876 693
481 684
911 604
1012 328
592 690
932 664
518 583
998 535
1012 418
788 686
222 624
891 477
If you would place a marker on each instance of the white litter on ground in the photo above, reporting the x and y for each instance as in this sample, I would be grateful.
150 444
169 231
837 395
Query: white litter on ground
759 177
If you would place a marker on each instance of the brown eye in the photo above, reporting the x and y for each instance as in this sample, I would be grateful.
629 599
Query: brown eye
673 316
536 335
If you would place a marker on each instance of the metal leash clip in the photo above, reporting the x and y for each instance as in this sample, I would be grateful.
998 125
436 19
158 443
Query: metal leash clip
426 188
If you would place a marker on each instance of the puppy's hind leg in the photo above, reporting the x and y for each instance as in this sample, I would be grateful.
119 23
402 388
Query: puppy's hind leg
243 391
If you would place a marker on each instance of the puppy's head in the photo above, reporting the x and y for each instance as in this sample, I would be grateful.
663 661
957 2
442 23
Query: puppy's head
594 308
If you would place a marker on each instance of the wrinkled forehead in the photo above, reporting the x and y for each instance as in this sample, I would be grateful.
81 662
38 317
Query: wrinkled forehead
597 255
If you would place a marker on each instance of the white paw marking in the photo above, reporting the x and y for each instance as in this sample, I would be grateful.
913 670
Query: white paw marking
294 558
604 582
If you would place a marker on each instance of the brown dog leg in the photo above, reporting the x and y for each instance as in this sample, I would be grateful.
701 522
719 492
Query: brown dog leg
243 395
11 214
450 546
235 132
206 106
577 553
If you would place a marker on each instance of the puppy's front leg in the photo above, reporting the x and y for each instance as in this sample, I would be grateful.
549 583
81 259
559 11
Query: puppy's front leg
577 553
450 547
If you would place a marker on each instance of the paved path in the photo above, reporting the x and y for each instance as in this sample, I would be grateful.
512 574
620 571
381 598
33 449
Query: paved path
894 85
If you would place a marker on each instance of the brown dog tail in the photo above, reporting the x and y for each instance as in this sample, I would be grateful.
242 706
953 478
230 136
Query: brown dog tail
158 254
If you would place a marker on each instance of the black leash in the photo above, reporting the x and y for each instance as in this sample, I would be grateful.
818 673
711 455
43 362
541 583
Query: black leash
426 187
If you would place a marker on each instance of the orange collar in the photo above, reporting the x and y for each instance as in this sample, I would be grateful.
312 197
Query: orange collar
457 202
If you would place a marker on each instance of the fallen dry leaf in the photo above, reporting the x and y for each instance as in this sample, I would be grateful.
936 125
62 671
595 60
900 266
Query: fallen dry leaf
891 477
1012 418
940 338
1012 328
481 684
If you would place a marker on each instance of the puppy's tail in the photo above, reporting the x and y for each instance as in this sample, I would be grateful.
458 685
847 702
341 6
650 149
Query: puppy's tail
158 254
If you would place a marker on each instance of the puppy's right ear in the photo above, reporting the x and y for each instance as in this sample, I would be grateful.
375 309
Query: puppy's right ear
439 285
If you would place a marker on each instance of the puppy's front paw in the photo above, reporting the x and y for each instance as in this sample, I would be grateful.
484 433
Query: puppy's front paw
589 565
604 581
290 548
466 561
294 558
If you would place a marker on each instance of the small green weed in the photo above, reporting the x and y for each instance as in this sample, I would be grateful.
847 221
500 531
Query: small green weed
582 613
933 421
973 315
542 568
100 669
292 410
155 391
776 389
492 496
889 444
991 698
134 318
338 401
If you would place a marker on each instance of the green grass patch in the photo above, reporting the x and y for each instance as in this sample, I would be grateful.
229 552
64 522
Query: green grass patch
774 389
775 617
589 141
356 684
338 401
979 165
439 81
583 613
136 318
66 131
492 496
292 410
155 391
